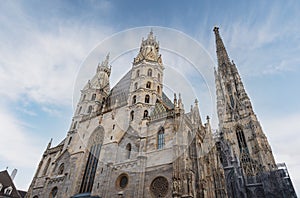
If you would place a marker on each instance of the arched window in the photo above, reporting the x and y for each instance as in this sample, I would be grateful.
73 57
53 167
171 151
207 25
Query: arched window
53 193
158 76
8 190
128 150
147 99
135 86
94 144
158 89
90 109
241 138
83 98
131 115
46 167
229 88
148 85
35 196
137 73
149 73
161 138
75 125
145 114
93 97
61 169
79 111
133 99
1 186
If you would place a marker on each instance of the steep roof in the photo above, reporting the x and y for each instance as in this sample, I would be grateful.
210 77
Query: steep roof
6 181
120 91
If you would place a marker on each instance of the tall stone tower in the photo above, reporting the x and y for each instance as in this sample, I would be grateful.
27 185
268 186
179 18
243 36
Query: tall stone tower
237 120
146 80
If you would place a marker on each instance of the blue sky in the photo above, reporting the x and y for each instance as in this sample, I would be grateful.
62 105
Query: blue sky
43 44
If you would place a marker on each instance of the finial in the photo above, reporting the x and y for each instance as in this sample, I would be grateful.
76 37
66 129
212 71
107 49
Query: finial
196 101
175 100
150 35
216 29
207 118
49 144
105 63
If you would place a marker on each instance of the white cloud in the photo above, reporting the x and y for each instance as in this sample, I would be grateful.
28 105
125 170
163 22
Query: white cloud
17 147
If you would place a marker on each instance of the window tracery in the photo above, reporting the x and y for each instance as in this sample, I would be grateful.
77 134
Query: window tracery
159 187
161 138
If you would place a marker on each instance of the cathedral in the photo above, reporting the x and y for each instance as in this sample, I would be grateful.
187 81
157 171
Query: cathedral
132 140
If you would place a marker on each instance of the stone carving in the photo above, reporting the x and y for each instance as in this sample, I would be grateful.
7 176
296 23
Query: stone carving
96 137
159 187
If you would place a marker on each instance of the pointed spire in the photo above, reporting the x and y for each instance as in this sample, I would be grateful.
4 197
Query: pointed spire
150 35
149 50
49 144
104 66
175 100
221 50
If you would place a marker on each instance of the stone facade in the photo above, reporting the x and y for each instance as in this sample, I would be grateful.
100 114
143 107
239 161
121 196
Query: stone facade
133 141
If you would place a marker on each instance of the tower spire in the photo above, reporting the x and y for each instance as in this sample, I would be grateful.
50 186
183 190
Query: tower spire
220 48
236 117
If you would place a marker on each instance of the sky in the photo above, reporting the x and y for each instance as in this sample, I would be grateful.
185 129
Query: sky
45 43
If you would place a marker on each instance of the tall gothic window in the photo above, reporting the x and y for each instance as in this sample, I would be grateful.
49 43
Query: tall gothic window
158 89
93 96
90 109
148 85
147 99
70 140
229 89
95 143
158 76
128 150
47 166
131 115
161 138
135 86
83 98
133 99
241 138
61 169
230 95
79 111
137 73
231 100
149 73
75 125
53 193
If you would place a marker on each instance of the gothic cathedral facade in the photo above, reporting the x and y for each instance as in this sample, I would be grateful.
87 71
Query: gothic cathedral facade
132 140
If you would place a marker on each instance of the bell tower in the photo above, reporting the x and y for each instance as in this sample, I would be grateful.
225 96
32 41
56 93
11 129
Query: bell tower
237 120
146 79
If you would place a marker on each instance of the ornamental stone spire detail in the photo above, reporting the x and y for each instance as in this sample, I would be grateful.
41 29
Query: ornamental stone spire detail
149 50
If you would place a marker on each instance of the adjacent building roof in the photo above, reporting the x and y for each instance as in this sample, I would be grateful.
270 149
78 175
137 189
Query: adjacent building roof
6 182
